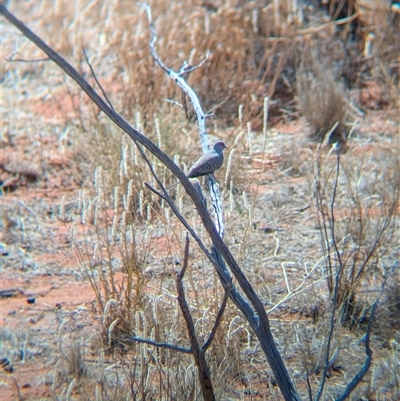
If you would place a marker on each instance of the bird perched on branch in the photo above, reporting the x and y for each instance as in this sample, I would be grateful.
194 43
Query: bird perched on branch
208 163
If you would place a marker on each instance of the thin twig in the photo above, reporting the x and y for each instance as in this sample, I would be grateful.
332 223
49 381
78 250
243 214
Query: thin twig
325 244
21 60
337 283
309 389
180 275
299 35
97 81
333 232
159 345
20 398
219 318
187 69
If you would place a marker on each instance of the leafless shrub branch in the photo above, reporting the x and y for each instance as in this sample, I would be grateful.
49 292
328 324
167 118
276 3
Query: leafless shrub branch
368 351
159 345
198 352
218 319
345 274
336 287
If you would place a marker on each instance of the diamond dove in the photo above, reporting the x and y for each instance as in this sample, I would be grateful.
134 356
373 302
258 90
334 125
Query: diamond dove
210 161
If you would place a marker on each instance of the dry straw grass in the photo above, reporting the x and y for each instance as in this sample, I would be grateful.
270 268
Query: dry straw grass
321 98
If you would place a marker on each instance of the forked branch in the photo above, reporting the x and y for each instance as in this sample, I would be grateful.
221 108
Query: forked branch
254 313
198 352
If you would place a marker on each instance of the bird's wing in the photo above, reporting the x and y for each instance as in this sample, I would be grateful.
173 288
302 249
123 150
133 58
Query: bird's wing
207 164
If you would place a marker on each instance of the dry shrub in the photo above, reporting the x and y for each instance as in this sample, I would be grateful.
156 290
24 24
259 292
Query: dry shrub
251 47
113 252
243 66
320 96
357 217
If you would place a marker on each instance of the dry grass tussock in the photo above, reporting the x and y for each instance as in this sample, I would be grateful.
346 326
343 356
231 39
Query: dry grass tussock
321 98
293 232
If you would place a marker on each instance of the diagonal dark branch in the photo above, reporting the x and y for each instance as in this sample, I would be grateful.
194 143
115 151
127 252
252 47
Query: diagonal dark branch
258 319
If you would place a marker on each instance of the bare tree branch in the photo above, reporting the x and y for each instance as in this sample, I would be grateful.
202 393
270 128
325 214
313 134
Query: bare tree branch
258 318
337 283
97 81
197 351
218 319
179 79
159 345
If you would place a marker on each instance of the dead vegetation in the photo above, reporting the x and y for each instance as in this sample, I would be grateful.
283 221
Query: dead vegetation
290 244
321 98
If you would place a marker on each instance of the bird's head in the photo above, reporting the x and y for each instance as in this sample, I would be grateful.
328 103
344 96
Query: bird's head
219 146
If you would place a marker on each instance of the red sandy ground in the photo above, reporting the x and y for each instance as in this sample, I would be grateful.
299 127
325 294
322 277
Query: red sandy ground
58 290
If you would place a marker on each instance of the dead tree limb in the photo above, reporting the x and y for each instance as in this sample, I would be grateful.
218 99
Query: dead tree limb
179 79
198 351
260 325
220 254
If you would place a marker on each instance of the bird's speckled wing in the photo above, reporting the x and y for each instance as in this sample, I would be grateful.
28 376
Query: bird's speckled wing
207 164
